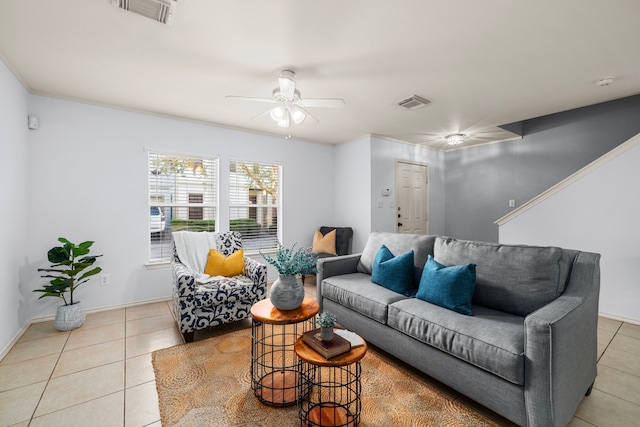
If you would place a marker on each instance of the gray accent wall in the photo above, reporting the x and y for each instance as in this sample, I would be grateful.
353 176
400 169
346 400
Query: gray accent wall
480 181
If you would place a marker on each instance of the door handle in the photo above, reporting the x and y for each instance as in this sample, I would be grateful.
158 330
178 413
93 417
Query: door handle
399 224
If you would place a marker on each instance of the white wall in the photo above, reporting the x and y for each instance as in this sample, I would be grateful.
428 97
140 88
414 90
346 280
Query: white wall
14 164
606 202
89 182
352 189
384 154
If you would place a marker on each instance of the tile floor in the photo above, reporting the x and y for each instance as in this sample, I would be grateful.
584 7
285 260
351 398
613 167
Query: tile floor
101 374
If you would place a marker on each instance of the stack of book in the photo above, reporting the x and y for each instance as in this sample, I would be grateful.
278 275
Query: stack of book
342 342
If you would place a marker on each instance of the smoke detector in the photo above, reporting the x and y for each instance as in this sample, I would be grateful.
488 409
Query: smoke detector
413 102
604 82
158 10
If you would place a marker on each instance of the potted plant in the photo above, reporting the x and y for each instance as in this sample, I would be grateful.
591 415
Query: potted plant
287 293
326 321
68 270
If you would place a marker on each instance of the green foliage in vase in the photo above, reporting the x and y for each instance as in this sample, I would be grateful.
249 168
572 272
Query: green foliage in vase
290 261
326 320
69 263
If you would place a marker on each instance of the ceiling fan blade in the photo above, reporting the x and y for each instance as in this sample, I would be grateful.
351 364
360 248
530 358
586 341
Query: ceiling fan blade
248 98
287 86
321 103
309 114
264 113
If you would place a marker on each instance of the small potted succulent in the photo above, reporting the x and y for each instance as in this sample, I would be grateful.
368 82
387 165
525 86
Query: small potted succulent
286 292
326 321
68 270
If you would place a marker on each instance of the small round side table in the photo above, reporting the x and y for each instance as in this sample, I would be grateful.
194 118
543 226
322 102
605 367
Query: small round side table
334 397
274 365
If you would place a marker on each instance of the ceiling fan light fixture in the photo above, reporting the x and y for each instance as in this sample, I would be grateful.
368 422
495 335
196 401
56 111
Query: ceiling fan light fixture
277 113
455 138
297 115
284 122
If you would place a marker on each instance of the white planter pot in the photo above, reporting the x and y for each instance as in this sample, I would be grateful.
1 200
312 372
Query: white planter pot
326 334
69 317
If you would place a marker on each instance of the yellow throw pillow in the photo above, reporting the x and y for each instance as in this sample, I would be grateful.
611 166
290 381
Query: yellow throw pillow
324 244
218 265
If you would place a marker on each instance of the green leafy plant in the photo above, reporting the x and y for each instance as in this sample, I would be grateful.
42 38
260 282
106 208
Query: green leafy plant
67 271
326 320
290 261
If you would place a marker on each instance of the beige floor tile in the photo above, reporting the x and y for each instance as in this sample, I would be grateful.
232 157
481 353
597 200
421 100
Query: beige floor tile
626 343
41 330
17 405
621 360
104 318
138 345
158 424
141 406
30 371
138 370
601 349
86 337
147 310
618 383
577 422
630 330
605 336
34 349
604 410
106 411
81 387
149 324
89 357
609 324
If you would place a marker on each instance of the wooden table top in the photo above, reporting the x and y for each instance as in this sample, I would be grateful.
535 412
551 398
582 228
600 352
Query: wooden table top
264 311
309 355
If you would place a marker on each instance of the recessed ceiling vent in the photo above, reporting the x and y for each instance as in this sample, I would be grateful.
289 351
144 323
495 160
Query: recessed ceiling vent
413 102
158 10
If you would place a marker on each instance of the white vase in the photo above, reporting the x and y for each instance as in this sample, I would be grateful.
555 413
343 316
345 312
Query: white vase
286 293
326 334
69 317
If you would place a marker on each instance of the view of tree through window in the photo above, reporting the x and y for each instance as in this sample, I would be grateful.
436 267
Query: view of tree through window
183 195
254 204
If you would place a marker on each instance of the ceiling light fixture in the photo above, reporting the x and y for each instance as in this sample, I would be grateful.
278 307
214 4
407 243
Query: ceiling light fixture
455 138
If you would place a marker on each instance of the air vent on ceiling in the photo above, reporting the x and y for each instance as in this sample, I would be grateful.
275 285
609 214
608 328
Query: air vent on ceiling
413 102
158 10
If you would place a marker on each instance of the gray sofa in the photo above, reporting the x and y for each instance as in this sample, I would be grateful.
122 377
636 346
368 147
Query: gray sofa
529 350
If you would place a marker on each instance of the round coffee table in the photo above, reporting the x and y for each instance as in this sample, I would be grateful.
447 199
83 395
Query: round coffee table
274 365
334 397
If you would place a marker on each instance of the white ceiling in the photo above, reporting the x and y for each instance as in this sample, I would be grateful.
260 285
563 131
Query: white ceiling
481 63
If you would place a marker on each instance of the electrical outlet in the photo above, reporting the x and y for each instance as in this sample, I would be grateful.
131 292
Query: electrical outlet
512 203
104 280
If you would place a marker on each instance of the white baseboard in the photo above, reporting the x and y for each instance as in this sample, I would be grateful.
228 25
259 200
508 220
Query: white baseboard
620 318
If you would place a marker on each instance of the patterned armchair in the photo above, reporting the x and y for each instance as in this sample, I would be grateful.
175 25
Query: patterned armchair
199 305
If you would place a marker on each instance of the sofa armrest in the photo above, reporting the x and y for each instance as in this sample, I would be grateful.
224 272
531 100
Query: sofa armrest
184 282
257 272
561 347
334 266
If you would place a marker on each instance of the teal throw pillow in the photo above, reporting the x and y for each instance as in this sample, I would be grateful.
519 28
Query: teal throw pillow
393 272
448 287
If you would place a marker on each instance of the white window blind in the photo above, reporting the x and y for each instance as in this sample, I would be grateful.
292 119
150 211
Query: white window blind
183 195
254 205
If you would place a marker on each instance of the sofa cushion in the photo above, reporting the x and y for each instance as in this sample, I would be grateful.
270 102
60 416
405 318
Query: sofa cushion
398 244
356 292
514 279
219 265
393 272
491 339
449 287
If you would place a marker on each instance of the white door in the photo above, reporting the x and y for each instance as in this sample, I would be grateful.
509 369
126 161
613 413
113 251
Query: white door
412 191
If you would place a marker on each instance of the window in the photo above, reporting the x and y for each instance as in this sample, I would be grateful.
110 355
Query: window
183 195
254 205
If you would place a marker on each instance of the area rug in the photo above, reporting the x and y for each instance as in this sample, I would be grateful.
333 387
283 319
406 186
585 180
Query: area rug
208 383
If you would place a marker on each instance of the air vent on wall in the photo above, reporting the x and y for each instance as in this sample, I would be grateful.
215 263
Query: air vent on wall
158 10
413 102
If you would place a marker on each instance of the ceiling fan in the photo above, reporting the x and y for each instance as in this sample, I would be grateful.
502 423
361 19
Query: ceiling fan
290 105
